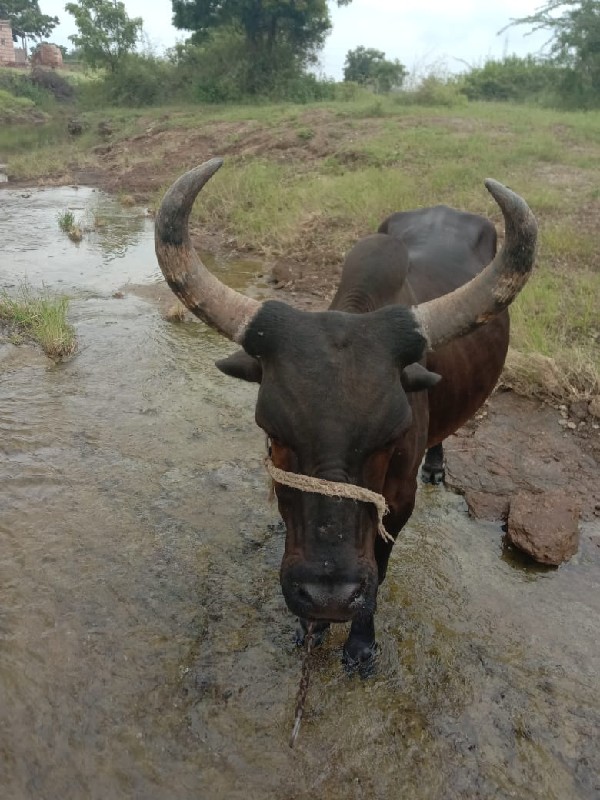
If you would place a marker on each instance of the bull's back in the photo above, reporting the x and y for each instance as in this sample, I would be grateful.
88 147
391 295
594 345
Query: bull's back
446 249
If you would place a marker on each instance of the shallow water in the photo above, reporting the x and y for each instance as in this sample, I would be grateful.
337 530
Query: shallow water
145 648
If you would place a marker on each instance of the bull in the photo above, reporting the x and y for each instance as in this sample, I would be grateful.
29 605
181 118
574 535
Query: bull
410 347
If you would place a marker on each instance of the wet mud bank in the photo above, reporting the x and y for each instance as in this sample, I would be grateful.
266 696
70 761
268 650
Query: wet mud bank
519 445
145 647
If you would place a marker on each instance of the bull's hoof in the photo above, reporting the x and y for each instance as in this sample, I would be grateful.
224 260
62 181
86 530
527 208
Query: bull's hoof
432 474
360 658
319 632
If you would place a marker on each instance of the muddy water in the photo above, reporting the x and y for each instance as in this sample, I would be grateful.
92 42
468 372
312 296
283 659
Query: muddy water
145 650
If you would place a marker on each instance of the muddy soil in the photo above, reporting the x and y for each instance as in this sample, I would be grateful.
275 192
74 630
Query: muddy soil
520 445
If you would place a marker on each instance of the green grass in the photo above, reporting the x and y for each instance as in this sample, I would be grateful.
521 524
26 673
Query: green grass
14 109
555 334
42 318
66 220
67 224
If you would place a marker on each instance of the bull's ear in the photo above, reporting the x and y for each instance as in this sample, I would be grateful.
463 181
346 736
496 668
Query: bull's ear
241 365
415 378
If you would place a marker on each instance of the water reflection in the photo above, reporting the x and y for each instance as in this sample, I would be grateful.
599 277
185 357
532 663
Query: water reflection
115 230
117 245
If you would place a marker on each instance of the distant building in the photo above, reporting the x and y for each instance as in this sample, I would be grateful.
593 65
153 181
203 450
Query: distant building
47 55
7 47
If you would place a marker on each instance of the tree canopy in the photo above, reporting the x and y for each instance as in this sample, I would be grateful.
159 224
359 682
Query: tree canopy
574 42
369 67
301 27
106 32
26 18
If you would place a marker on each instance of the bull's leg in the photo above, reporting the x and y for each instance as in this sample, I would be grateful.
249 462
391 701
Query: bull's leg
319 632
360 649
432 470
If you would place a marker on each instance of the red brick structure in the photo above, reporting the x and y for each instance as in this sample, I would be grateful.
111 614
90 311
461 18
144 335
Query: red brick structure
7 48
47 55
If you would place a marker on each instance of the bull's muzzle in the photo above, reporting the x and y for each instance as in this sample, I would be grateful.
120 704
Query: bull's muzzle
315 594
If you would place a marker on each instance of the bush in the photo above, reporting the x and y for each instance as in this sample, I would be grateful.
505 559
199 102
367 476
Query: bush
435 91
304 88
51 81
138 80
21 84
212 72
512 78
224 69
577 89
16 110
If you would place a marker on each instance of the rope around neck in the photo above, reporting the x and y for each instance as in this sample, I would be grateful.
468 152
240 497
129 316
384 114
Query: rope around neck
305 483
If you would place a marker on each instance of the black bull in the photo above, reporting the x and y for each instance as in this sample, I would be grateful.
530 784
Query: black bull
358 394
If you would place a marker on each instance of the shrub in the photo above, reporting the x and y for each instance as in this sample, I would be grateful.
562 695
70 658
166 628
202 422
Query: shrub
138 80
21 84
435 91
51 81
512 78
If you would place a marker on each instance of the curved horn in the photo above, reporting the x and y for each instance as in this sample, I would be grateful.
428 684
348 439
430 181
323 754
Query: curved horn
491 291
216 304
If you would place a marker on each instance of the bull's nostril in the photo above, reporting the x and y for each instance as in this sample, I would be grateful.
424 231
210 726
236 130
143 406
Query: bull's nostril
356 595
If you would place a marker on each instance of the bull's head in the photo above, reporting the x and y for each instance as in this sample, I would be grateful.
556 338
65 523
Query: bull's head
333 391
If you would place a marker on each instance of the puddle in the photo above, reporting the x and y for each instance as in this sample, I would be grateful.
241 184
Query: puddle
145 648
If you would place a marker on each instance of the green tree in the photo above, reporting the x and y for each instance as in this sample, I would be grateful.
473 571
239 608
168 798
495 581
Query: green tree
574 43
369 67
275 35
106 32
26 19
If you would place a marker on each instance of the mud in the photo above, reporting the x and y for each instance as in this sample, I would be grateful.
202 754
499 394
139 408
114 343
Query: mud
519 445
145 648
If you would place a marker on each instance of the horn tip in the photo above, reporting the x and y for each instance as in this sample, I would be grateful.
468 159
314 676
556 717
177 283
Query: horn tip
208 168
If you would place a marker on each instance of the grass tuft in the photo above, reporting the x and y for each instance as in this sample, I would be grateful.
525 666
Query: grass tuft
42 318
67 224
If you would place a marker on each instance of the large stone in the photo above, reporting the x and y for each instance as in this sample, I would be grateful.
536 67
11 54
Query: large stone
544 525
594 407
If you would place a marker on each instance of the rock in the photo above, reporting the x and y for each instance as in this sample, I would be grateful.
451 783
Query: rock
75 127
282 273
105 128
486 505
579 410
544 525
594 407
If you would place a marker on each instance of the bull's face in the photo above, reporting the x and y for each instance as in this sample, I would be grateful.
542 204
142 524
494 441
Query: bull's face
333 406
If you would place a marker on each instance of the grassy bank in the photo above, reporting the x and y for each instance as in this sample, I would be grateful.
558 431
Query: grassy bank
42 319
301 183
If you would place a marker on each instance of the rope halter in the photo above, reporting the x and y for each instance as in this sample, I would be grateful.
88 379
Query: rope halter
306 483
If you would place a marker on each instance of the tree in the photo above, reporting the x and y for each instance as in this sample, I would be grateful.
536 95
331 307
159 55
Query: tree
369 67
275 33
26 19
106 32
574 43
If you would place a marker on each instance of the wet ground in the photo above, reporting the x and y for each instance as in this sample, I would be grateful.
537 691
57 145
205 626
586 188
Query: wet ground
145 649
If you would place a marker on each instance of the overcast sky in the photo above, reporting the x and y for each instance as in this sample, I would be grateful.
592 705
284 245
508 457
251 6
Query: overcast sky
420 34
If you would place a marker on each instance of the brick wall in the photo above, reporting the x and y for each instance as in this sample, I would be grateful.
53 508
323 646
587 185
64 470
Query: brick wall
7 50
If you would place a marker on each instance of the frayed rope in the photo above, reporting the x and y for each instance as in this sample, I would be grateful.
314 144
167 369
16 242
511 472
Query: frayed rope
305 483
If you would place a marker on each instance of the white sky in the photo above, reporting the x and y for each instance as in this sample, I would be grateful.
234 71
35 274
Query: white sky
419 34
